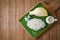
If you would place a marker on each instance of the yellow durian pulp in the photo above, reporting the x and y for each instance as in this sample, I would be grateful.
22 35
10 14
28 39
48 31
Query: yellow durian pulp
40 11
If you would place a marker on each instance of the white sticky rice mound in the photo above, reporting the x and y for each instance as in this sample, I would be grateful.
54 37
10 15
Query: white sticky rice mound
35 24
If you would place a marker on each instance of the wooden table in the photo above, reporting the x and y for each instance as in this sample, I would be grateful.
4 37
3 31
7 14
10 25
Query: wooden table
10 29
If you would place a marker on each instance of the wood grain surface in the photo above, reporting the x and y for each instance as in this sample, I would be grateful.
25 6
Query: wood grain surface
10 29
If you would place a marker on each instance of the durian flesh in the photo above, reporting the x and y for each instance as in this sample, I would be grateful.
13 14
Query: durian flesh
40 11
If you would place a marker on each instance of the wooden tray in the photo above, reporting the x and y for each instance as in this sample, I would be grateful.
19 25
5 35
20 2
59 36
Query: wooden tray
33 33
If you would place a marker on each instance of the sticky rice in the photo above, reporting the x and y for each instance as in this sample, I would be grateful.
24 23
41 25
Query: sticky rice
35 24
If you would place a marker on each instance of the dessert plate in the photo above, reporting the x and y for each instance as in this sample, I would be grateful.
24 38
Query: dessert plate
34 33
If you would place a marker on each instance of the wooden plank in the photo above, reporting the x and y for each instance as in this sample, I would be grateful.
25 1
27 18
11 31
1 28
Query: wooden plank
10 29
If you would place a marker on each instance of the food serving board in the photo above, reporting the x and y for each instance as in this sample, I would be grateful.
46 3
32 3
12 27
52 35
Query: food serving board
33 33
